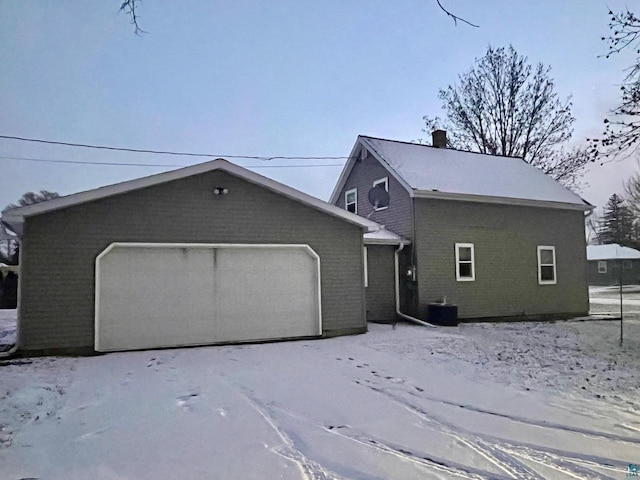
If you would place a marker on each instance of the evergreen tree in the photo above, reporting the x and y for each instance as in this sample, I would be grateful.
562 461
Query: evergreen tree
617 223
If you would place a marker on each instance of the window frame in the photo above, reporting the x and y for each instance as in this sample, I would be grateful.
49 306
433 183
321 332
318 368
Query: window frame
540 265
355 202
602 263
471 262
385 181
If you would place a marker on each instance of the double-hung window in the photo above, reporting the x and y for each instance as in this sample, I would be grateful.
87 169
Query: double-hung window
382 183
547 265
351 200
602 266
465 262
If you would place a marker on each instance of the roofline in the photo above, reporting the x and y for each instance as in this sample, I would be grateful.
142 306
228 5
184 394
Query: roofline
18 214
346 171
522 202
441 148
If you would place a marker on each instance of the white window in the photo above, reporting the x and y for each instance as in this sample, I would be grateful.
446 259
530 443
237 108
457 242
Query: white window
602 266
365 255
382 183
547 265
351 200
465 262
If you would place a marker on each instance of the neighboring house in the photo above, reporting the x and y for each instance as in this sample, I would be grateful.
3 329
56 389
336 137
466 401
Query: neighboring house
207 254
493 235
604 269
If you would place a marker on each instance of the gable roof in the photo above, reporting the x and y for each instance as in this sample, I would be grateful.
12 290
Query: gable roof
431 172
611 251
15 216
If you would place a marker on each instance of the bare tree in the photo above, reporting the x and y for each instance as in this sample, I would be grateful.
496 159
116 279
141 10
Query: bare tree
130 8
622 128
30 198
632 190
505 106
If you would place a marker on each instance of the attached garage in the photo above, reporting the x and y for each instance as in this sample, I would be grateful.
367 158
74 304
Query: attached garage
156 295
208 254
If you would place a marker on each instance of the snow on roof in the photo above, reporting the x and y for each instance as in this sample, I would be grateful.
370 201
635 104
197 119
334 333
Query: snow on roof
611 251
383 237
429 169
15 216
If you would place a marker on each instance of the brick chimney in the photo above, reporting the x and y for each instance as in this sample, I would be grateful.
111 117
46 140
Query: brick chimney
439 138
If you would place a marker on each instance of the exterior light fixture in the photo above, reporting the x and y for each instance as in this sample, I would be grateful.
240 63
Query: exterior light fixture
220 191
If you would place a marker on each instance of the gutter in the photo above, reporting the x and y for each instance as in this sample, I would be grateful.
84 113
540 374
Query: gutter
397 279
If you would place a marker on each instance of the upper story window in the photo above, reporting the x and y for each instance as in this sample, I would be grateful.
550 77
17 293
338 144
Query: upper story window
465 262
627 265
547 265
602 266
351 200
382 183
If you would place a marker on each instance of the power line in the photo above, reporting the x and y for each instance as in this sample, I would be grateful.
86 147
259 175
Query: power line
89 162
163 152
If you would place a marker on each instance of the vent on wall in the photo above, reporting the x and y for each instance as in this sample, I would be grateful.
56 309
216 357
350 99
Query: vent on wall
363 153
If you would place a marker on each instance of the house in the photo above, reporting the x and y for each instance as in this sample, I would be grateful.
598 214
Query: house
491 234
604 262
207 254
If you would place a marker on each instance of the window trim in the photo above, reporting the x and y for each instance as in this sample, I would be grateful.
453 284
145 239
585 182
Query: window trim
540 265
602 263
459 278
355 202
385 181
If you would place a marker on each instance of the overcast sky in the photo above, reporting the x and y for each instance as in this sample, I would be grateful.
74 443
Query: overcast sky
276 78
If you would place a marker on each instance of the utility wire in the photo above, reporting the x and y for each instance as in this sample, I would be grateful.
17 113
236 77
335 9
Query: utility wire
162 152
89 162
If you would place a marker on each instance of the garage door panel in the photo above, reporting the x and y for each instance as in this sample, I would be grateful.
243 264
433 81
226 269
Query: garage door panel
157 296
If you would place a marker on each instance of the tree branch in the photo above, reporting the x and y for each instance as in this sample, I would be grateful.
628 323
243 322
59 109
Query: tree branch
455 17
129 7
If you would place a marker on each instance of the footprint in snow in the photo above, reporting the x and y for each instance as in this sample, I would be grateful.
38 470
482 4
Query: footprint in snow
186 402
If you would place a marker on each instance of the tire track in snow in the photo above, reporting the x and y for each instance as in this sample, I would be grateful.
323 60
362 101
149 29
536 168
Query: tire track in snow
533 423
502 460
309 469
571 464
428 462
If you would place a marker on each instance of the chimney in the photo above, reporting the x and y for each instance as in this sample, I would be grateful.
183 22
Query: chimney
439 138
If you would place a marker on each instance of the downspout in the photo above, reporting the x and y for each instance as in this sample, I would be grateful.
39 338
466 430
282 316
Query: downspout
397 279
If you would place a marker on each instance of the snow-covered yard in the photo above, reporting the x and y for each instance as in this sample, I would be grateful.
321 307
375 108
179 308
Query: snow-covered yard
528 400
7 329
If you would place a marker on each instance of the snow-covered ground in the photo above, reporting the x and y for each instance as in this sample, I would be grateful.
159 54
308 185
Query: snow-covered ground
7 329
528 400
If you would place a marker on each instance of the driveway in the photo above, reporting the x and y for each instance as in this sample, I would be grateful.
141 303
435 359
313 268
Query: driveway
410 403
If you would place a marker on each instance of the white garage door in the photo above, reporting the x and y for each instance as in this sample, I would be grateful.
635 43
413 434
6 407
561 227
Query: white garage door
157 295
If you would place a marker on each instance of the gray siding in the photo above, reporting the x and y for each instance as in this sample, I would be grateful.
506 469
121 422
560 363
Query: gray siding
630 273
381 296
505 239
59 250
398 217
